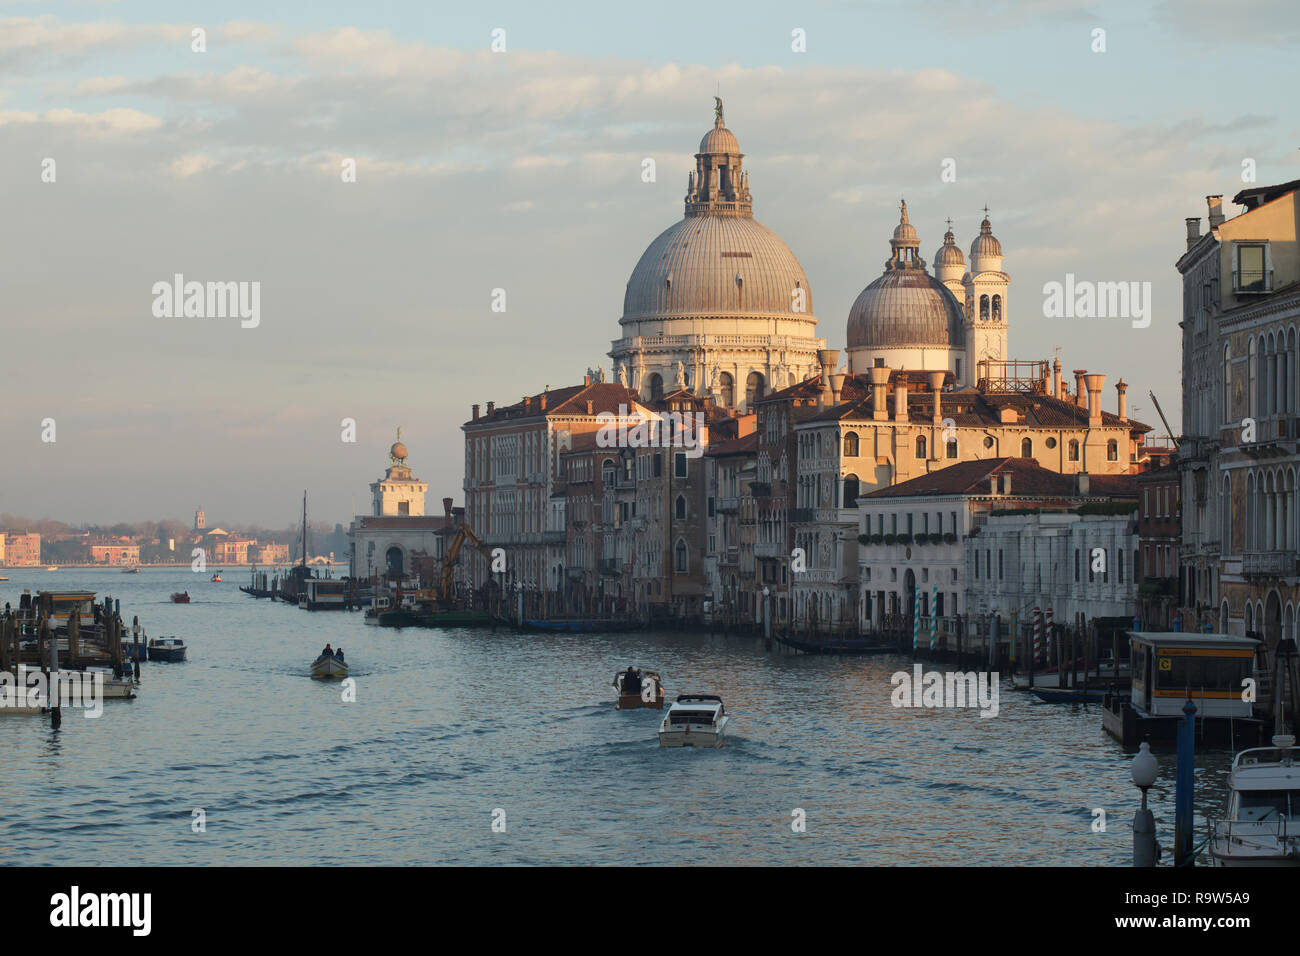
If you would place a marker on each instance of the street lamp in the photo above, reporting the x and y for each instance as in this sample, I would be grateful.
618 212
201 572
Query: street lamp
1144 770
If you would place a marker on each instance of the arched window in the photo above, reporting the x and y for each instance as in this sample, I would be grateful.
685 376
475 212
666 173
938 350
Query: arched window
1112 450
727 389
393 558
920 446
680 510
1074 449
754 385
851 445
1225 517
680 558
997 308
656 386
851 492
1026 448
984 308
1250 380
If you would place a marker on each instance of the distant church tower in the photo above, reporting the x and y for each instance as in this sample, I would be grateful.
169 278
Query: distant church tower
399 492
985 287
200 522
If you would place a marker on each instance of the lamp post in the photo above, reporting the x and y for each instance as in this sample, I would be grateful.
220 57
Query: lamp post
1144 769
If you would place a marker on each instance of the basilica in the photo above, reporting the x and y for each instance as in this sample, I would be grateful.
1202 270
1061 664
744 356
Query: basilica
718 323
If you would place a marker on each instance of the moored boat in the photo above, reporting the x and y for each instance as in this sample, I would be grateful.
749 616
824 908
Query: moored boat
638 693
694 720
329 667
180 597
1261 826
837 645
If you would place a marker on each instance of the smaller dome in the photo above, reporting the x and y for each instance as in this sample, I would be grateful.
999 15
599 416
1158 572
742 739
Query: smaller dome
949 253
905 232
720 140
985 244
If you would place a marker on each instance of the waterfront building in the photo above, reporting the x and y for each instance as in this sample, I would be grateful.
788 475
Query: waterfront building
22 549
731 514
1159 534
930 534
119 551
1237 460
397 535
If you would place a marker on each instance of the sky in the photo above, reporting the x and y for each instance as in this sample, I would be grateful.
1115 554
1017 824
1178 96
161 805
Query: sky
522 170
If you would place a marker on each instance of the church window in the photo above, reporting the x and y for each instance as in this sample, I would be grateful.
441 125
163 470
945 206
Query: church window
1026 448
984 308
920 446
727 389
753 388
851 445
997 308
656 387
1074 450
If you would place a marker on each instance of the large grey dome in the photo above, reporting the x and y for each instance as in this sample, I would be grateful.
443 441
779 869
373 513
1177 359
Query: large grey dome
717 265
905 308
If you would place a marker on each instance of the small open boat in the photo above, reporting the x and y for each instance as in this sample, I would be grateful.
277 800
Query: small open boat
216 578
328 667
837 645
629 698
180 597
694 720
166 649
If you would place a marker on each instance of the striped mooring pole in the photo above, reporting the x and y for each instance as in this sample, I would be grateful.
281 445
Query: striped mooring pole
1038 636
916 619
934 618
1048 631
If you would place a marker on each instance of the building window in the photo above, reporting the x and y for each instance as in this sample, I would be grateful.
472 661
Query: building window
920 446
680 561
1076 565
1026 448
1074 450
951 448
680 510
851 445
679 464
1112 450
1251 274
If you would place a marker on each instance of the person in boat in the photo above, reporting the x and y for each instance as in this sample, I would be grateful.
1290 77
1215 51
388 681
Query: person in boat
339 653
328 652
632 681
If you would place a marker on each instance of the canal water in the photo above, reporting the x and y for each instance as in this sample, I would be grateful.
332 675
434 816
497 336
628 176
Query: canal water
453 729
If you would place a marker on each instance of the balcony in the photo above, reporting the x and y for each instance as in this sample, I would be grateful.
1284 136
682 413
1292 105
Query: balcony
1269 563
1252 281
728 505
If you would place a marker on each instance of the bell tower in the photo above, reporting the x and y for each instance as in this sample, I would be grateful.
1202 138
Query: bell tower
985 286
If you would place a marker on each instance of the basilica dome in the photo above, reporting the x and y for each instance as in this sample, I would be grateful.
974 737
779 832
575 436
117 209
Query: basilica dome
717 265
906 307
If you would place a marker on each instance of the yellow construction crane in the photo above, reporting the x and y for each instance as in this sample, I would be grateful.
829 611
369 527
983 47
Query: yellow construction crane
446 590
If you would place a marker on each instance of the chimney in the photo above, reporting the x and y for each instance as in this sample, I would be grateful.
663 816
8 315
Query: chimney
1079 399
542 402
474 409
879 382
1083 485
1215 204
1121 387
1056 378
1094 384
936 386
591 407
827 358
993 484
492 407
446 507
1193 230
837 386
528 404
586 380
1006 483
900 399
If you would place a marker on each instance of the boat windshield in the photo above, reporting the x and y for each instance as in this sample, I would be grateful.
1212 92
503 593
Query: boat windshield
691 717
1257 805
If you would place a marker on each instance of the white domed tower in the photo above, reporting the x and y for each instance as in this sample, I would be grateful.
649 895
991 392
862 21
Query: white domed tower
986 300
718 304
907 318
950 265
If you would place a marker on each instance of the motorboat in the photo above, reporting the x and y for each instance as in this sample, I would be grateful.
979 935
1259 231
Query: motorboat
1262 823
134 569
180 597
694 720
166 649
630 698
329 667
216 579
52 567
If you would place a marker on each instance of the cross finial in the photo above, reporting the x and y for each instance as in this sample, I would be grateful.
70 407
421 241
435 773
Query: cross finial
950 223
986 210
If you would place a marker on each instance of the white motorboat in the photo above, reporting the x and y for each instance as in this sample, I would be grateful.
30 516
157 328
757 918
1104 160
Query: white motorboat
694 720
1262 824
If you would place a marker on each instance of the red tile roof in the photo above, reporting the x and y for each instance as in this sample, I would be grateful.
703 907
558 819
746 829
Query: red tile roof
1028 479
